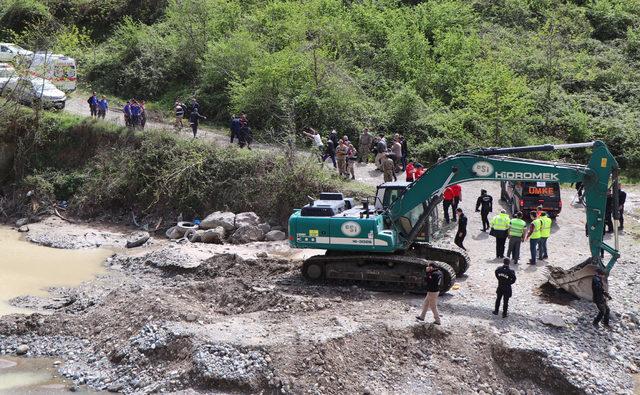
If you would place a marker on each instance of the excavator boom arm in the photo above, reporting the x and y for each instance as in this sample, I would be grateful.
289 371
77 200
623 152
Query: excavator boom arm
486 164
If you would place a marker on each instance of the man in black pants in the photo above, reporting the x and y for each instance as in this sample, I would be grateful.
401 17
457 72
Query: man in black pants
505 277
622 197
599 295
486 201
462 229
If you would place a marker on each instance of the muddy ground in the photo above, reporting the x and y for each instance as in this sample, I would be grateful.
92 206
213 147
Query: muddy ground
235 323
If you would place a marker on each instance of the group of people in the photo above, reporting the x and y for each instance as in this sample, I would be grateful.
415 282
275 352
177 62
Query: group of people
135 115
98 107
240 130
340 150
192 113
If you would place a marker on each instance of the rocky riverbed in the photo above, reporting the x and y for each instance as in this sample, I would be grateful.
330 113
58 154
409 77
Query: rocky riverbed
209 318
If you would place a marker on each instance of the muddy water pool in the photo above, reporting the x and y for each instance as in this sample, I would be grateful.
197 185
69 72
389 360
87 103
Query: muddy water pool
28 269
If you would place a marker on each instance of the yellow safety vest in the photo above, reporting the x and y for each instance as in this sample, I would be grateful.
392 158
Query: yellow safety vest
537 225
516 228
500 222
545 230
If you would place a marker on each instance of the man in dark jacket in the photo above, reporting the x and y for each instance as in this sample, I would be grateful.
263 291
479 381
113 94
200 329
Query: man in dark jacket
486 202
622 198
433 280
506 276
194 120
235 128
462 229
600 297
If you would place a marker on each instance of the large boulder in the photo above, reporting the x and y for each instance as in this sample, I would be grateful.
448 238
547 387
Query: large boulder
265 227
22 222
247 234
275 235
219 218
215 236
249 218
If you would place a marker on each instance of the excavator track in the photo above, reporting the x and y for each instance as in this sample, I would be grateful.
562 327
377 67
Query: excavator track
381 272
454 256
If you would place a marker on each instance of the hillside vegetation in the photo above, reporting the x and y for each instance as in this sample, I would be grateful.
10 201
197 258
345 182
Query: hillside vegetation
449 74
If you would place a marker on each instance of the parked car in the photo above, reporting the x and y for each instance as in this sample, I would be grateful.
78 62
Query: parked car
7 71
526 196
59 69
33 91
13 53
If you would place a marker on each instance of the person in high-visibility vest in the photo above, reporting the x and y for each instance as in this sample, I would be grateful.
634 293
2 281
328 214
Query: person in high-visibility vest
499 227
517 227
534 236
545 232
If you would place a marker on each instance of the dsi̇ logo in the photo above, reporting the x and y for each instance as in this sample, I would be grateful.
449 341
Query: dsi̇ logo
350 228
482 168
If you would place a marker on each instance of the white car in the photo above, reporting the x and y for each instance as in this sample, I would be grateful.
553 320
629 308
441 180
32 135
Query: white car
9 52
34 91
7 70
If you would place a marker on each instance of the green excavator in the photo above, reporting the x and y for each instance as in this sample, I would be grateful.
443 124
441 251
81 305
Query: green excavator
385 245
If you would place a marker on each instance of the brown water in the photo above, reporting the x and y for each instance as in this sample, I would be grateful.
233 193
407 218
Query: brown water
28 269
31 376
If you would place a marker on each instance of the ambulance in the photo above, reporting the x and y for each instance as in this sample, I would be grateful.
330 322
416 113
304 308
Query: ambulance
59 69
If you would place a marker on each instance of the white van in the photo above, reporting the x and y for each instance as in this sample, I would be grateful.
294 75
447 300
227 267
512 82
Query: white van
59 69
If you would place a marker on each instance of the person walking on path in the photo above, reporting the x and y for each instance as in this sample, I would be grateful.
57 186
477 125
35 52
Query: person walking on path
534 236
600 296
388 168
622 198
341 157
103 107
484 205
135 114
447 201
352 157
506 277
311 134
545 232
381 149
462 229
234 128
364 146
194 121
396 150
457 198
178 108
126 111
93 105
433 280
499 225
517 227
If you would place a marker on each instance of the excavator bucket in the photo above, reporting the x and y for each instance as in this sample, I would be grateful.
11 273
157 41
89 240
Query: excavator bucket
576 281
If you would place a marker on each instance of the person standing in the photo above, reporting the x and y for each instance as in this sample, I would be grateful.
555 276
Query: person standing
135 113
333 136
462 229
499 225
506 277
179 111
143 114
396 150
534 236
352 157
234 128
93 105
545 232
410 171
517 227
405 152
600 296
381 149
364 147
622 198
433 280
194 121
312 134
341 157
457 198
126 111
484 205
103 107
609 212
388 168
447 201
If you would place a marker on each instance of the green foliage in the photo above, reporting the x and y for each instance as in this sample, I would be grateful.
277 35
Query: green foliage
18 15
